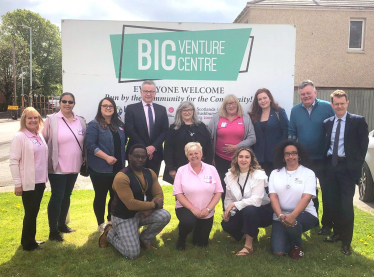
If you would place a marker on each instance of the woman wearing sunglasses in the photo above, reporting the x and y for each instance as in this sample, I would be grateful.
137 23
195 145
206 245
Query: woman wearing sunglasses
105 141
291 186
247 206
64 133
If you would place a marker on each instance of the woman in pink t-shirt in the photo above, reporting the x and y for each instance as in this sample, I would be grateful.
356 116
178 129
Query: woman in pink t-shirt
198 189
64 132
28 165
230 129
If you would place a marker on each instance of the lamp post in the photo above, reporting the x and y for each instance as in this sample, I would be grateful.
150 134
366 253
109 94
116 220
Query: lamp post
23 99
30 95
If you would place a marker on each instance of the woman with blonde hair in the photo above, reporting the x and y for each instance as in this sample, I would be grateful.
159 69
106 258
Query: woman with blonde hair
198 189
230 129
247 206
28 165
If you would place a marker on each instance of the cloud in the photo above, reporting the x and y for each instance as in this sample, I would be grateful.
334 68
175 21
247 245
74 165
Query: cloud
217 11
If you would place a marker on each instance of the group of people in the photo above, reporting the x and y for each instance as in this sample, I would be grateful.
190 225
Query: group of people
261 165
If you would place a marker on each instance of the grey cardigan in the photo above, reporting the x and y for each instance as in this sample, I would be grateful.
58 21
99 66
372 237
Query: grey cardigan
50 135
249 135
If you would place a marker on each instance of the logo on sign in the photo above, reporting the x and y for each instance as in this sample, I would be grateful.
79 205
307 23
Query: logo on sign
171 110
119 110
180 55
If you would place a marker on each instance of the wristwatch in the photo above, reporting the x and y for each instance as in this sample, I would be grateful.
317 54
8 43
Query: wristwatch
209 210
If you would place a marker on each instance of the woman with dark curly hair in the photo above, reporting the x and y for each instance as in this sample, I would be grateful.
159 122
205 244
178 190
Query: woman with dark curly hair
271 127
247 206
105 140
291 186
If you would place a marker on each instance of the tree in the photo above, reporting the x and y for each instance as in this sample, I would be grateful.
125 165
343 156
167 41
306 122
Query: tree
46 51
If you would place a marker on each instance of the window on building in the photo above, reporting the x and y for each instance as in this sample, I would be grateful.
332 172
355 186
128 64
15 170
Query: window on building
356 34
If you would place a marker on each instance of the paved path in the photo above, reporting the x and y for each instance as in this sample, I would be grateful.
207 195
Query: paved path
9 127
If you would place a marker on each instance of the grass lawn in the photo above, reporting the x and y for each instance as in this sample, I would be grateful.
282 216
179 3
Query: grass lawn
80 255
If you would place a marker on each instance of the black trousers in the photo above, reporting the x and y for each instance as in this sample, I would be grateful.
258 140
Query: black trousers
248 220
222 167
102 185
154 164
188 222
268 167
339 195
31 202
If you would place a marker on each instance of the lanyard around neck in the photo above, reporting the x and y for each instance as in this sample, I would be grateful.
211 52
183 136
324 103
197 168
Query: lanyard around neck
245 183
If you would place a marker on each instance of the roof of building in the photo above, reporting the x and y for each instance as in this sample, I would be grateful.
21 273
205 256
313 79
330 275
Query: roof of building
314 4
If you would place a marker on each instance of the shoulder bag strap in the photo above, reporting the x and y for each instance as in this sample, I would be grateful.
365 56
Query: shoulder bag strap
73 134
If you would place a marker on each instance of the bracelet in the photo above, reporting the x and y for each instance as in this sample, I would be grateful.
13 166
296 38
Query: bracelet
156 205
280 216
209 210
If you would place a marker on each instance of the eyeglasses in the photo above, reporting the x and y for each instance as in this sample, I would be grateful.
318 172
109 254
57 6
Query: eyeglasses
231 104
107 107
187 110
289 154
148 91
65 101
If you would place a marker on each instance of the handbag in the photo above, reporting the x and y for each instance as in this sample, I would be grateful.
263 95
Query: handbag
84 171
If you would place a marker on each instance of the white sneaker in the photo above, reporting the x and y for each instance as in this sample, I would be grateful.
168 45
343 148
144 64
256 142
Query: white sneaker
101 227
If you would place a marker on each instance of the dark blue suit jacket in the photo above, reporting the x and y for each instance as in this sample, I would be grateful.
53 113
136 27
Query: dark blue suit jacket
137 130
356 140
276 131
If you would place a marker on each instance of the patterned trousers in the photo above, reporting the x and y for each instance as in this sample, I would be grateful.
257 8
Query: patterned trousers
124 234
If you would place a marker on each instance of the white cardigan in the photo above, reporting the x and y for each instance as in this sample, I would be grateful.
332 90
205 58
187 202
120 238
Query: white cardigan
22 165
254 191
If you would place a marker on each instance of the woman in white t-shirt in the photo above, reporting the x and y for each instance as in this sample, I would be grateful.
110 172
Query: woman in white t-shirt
247 206
292 187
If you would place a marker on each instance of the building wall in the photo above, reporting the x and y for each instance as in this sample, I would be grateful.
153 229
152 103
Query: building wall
322 45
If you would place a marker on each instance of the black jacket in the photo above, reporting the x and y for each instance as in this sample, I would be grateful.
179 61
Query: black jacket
356 140
137 130
175 141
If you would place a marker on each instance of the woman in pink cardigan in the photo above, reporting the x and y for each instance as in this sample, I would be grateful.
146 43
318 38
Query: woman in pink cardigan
29 168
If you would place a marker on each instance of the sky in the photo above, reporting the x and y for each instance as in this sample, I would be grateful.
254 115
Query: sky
213 11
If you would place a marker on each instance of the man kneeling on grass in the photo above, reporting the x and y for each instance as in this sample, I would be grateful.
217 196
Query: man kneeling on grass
138 201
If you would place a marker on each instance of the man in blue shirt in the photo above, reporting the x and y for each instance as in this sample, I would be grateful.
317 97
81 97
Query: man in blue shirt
346 143
306 127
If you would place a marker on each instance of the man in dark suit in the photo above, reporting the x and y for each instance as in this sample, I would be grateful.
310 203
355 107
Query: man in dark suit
147 123
346 146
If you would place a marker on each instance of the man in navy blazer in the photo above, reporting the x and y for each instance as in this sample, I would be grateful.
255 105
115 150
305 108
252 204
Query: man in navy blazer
147 123
346 146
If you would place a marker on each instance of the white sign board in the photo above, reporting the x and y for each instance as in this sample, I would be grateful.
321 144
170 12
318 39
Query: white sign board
196 62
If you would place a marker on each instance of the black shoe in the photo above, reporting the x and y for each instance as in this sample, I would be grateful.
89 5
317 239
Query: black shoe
55 236
65 229
346 250
324 231
332 239
181 245
40 241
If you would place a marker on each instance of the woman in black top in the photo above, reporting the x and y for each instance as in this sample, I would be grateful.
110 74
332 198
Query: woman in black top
186 128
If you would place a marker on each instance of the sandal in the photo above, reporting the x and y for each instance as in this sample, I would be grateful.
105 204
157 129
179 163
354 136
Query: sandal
246 252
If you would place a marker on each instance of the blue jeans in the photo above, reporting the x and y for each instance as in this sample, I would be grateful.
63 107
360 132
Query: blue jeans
283 238
61 187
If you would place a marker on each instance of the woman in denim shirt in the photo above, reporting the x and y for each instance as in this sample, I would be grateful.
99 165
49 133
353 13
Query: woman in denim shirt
105 140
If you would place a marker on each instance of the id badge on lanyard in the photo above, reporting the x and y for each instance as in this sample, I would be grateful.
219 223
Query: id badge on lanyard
145 198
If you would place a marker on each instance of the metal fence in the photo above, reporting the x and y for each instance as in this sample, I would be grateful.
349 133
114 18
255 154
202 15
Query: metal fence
361 101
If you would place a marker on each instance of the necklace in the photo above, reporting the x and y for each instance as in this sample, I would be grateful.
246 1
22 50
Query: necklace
289 177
